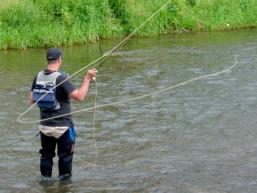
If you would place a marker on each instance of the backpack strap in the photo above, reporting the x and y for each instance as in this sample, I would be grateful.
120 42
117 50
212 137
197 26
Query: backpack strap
50 79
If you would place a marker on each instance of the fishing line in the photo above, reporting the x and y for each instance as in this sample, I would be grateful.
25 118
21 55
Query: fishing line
142 96
131 100
94 123
138 98
100 60
94 132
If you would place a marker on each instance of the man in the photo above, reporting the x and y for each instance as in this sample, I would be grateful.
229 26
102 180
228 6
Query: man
55 101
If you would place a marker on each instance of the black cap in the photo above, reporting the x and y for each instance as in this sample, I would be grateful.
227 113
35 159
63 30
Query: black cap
53 54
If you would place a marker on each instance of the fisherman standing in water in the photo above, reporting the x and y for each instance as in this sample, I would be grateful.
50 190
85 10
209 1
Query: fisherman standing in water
56 102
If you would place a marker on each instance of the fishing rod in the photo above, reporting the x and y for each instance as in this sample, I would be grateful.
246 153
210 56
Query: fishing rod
99 60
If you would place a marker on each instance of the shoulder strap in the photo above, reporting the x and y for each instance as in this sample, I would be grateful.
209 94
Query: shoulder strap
43 78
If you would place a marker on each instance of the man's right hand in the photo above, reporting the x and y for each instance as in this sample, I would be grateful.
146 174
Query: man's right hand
80 94
91 74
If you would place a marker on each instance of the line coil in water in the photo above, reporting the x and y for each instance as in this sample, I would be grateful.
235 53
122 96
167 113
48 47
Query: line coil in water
142 96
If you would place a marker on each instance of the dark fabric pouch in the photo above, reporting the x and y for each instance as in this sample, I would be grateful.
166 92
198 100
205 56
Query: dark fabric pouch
72 134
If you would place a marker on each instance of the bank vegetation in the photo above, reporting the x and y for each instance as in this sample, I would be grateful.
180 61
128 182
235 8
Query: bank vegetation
46 23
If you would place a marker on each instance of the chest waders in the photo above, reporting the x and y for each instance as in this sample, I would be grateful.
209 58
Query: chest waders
45 91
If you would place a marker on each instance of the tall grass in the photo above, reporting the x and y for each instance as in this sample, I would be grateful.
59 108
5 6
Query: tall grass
45 23
7 3
214 15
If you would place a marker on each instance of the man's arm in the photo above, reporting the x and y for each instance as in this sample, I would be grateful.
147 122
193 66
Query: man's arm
80 94
31 100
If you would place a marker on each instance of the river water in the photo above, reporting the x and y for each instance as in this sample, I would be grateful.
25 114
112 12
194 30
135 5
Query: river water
200 137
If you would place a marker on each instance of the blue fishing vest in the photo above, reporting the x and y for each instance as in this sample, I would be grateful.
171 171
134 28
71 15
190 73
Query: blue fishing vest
45 86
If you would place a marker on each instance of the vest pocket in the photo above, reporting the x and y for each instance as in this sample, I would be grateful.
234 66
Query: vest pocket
72 134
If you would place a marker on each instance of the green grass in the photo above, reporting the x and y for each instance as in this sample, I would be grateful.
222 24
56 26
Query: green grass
46 23
216 15
7 3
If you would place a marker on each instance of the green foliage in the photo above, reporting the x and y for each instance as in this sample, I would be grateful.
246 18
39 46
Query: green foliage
19 16
225 14
191 2
120 12
46 23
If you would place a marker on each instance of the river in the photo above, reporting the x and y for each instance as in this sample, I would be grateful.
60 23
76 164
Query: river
199 137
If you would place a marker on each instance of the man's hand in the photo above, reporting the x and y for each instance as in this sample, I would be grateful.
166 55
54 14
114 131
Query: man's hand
91 74
80 94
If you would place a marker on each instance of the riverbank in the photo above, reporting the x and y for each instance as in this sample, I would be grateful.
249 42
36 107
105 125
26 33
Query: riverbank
46 23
